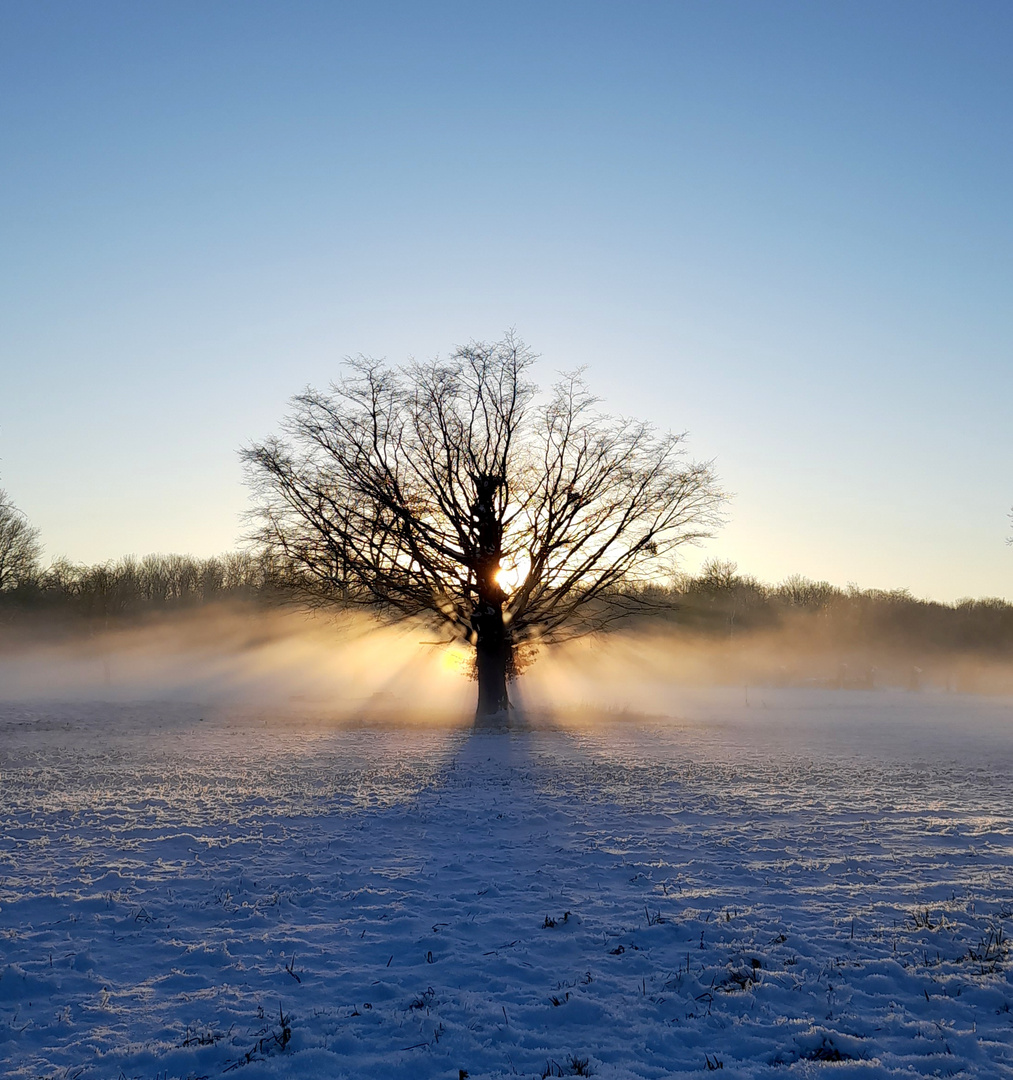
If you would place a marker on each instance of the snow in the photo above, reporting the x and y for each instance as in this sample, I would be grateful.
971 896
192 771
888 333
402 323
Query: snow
770 883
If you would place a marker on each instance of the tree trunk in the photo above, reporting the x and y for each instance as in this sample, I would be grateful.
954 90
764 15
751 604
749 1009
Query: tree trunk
492 653
492 642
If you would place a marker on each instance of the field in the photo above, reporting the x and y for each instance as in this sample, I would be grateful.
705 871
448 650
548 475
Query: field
768 883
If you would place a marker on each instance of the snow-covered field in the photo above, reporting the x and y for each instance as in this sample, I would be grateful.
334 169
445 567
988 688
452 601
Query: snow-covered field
773 884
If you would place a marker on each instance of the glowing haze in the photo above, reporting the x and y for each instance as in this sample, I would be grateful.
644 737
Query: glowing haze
784 227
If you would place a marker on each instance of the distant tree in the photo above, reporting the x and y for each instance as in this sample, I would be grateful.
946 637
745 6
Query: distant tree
797 591
450 489
20 549
733 597
718 575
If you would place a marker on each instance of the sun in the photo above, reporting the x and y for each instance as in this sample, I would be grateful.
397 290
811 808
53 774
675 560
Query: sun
512 573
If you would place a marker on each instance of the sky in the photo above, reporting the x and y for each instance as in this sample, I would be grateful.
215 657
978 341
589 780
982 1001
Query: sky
785 228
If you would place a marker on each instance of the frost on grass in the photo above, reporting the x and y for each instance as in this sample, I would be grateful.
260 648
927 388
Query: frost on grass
815 882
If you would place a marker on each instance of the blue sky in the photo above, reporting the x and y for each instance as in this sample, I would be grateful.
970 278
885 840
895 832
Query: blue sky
784 227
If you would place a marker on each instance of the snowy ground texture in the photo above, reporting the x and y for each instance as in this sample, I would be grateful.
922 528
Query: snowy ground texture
769 884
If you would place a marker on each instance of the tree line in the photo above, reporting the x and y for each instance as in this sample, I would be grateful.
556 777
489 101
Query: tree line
717 603
131 587
721 602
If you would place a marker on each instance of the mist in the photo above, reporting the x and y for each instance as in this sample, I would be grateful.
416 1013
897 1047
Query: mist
647 669
349 668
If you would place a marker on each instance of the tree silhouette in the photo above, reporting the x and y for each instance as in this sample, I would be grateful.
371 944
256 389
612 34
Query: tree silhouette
453 489
19 546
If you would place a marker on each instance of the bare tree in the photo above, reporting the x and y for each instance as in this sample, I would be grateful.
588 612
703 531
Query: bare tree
20 549
452 489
